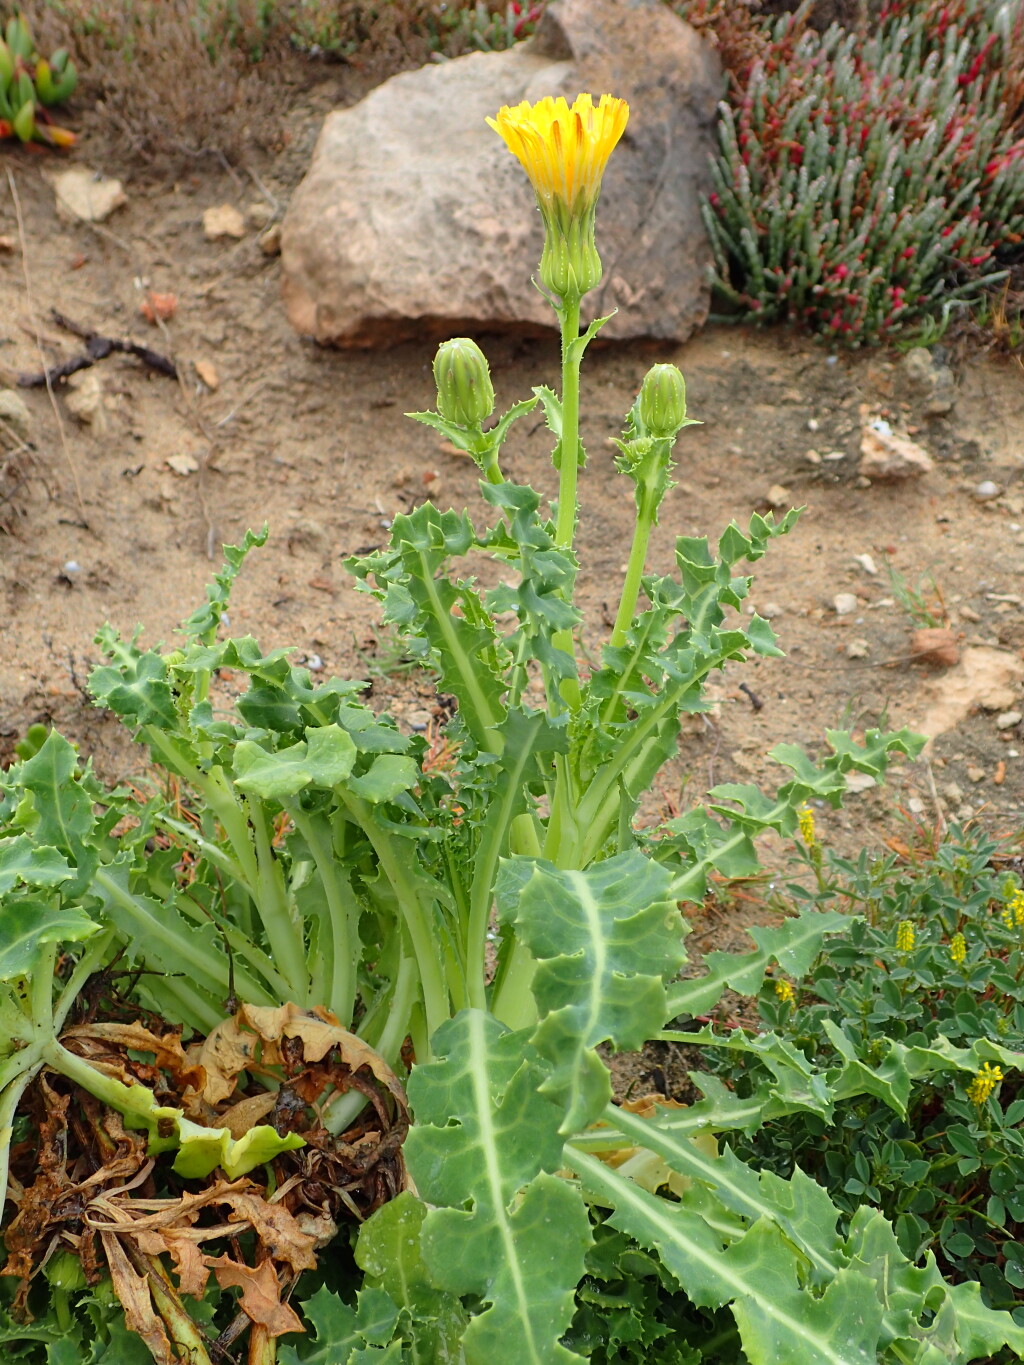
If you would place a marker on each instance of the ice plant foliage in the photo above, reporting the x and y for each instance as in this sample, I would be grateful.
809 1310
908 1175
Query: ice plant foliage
865 183
305 851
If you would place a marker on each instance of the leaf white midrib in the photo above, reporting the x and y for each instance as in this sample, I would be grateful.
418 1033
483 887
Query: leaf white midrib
622 1190
481 1095
714 1174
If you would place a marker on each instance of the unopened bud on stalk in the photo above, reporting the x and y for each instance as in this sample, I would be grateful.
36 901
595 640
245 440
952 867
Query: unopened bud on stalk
662 403
465 394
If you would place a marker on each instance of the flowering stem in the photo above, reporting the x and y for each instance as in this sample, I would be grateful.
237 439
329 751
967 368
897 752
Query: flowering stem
649 499
565 525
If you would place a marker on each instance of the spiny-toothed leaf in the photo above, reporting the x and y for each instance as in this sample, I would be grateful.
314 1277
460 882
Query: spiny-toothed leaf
799 1206
506 1232
63 801
25 925
23 862
389 1252
606 939
135 685
387 776
203 623
794 945
335 1333
758 1276
323 759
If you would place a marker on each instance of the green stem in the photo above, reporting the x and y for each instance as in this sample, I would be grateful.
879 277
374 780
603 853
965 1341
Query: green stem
283 928
84 968
435 992
10 1098
568 468
344 916
635 568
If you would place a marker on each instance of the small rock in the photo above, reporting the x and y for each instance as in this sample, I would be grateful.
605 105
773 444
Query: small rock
183 465
85 400
919 369
884 456
70 568
1006 720
969 614
812 457
986 491
935 645
314 663
270 241
158 307
915 805
858 649
306 533
418 720
778 496
813 424
259 213
975 774
834 455
845 603
223 221
943 394
771 609
15 414
207 372
7 244
86 195
953 792
866 563
965 813
859 782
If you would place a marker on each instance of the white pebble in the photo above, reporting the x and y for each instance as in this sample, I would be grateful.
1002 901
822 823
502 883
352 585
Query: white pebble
845 603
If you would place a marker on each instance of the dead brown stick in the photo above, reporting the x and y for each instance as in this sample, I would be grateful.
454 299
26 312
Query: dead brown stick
97 347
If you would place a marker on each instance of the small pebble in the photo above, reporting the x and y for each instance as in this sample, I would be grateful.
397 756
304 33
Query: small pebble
845 603
969 614
771 609
72 567
314 663
975 774
866 563
965 813
987 490
779 496
952 791
1006 720
812 457
858 649
418 720
813 424
915 805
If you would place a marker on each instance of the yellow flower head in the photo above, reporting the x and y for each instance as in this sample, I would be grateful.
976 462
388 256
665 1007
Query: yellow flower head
785 992
984 1083
906 936
1013 915
564 150
807 831
958 948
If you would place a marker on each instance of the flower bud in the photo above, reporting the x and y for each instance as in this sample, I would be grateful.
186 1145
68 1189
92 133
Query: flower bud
662 402
465 394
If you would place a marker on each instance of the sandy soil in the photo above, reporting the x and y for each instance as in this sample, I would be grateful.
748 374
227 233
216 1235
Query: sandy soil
107 521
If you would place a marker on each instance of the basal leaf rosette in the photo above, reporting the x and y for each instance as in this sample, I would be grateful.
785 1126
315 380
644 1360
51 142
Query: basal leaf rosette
564 151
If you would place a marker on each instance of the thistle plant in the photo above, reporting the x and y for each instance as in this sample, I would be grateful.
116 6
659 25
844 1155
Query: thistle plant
501 916
864 184
30 85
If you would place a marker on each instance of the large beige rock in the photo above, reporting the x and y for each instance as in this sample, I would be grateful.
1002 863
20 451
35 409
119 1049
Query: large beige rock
415 218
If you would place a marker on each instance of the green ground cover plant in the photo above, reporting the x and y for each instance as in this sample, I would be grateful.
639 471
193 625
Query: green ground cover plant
212 987
938 950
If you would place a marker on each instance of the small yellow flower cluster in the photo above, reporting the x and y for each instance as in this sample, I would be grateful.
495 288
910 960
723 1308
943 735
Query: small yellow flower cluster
958 948
906 936
984 1083
807 831
1013 913
785 992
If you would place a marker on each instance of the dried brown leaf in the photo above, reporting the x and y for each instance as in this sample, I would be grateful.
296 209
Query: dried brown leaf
247 1113
133 1291
167 1050
259 1032
261 1294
